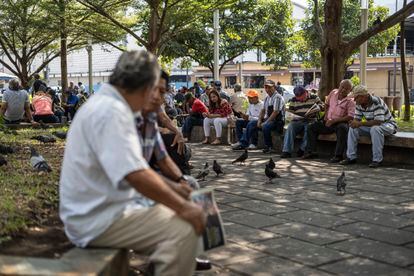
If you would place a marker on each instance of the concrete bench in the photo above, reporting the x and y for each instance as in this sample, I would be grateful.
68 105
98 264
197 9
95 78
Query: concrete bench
28 125
77 261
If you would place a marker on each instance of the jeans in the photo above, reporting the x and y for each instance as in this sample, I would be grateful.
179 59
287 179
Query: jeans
376 133
250 134
319 127
267 131
47 119
189 122
294 128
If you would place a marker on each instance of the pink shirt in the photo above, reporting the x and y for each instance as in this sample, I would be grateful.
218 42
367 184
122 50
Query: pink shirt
339 108
42 105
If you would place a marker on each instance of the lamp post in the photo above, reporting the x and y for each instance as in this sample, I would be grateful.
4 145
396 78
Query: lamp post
363 48
89 49
241 71
394 85
216 25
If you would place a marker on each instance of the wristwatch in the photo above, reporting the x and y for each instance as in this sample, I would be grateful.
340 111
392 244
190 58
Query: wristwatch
182 177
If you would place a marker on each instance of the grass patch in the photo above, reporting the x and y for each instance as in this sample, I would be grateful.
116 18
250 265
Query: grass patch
28 197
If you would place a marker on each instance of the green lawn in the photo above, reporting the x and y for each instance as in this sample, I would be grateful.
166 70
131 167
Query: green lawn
27 197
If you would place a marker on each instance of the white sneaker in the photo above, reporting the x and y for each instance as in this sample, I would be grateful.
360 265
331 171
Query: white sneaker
235 145
252 147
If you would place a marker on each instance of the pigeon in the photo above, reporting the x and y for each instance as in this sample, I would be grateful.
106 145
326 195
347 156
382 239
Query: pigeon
60 134
203 173
217 168
44 138
271 164
3 161
38 162
6 149
270 173
341 184
241 158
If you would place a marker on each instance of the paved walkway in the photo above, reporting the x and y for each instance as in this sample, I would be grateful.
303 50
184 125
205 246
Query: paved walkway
299 226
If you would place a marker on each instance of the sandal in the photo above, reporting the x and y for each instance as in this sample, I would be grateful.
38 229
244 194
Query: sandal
205 142
216 142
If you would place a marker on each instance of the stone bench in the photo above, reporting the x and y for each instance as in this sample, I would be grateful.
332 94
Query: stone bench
28 125
77 261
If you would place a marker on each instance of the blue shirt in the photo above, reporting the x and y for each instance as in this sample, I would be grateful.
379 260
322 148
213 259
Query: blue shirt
72 99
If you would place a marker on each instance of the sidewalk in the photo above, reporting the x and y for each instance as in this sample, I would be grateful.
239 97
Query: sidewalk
299 226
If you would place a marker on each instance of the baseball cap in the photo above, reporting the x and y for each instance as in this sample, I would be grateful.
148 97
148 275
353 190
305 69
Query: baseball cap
217 83
188 96
269 83
299 91
252 93
359 90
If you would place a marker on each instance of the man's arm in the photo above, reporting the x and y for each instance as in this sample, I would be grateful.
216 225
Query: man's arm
355 123
261 116
273 115
28 113
150 184
178 139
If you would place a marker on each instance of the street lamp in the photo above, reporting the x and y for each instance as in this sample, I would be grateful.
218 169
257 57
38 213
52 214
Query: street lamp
89 49
216 25
364 47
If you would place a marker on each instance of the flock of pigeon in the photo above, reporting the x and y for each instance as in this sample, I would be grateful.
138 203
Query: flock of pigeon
269 172
36 160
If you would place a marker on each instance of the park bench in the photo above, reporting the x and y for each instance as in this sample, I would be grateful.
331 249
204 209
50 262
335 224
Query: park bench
28 125
77 261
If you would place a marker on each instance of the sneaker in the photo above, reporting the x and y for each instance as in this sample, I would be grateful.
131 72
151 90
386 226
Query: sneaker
267 150
374 164
309 155
235 145
335 159
285 155
239 147
348 161
252 147
300 153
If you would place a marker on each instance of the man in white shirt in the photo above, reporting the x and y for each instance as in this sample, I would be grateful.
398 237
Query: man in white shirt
105 181
248 121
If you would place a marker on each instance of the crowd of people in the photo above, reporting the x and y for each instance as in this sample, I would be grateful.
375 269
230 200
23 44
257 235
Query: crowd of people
40 103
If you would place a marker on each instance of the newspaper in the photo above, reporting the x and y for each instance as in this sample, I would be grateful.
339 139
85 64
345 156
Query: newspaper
315 108
213 235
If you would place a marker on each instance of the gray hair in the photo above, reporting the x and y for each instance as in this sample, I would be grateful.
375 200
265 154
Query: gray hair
237 87
348 81
135 70
14 84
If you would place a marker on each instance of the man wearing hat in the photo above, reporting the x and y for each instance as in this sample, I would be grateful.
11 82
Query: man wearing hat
339 110
372 118
302 107
272 116
248 121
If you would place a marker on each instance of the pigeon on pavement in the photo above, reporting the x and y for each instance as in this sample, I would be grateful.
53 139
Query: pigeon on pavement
3 161
341 184
217 168
241 158
270 173
271 164
203 173
6 149
38 162
60 134
44 138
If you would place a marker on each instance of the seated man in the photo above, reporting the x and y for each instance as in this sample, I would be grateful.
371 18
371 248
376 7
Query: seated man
248 121
339 110
70 106
272 115
15 104
105 181
372 118
304 108
195 118
238 101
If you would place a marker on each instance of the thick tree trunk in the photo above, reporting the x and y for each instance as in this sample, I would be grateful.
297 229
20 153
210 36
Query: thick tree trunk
332 71
404 72
63 49
153 31
24 76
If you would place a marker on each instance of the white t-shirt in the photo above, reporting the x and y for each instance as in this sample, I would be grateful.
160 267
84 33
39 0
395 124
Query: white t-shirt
254 110
102 148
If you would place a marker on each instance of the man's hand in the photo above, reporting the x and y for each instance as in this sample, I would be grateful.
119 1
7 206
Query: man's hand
205 114
245 117
355 124
329 123
259 124
193 214
183 189
179 140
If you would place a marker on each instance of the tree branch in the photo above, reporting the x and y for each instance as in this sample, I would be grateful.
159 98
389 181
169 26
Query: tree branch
316 21
384 25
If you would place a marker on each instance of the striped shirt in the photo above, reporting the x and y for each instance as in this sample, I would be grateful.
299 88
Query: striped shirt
275 103
300 108
377 111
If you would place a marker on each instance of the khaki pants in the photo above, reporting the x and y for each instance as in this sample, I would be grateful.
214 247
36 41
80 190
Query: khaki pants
170 241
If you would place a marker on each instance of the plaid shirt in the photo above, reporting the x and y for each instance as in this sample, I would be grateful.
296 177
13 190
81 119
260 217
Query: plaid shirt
150 137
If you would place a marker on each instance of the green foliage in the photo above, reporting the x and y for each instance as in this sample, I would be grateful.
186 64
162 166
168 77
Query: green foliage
355 80
202 84
249 24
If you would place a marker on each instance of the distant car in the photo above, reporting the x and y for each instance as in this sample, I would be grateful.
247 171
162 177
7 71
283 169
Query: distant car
287 92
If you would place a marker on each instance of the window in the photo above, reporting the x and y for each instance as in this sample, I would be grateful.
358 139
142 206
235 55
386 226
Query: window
254 81
230 81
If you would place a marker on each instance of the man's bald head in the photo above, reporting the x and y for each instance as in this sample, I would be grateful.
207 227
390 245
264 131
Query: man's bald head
345 87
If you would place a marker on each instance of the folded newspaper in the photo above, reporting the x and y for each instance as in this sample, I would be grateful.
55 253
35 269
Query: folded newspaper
213 235
315 108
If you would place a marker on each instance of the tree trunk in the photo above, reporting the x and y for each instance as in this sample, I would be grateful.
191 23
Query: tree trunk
24 76
63 50
153 31
404 72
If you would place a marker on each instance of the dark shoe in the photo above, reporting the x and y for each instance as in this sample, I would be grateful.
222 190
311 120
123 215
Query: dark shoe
239 147
267 150
374 164
300 153
335 159
285 155
348 161
309 155
202 264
